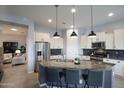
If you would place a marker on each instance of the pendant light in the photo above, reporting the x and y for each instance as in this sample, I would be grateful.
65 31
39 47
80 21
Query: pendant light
73 34
92 34
56 35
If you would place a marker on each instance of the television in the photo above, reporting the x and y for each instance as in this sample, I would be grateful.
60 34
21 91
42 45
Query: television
10 47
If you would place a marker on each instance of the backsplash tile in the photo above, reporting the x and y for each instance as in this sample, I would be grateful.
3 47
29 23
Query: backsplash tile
116 54
113 54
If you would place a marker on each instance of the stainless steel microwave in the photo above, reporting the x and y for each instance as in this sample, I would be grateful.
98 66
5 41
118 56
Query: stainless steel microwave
98 45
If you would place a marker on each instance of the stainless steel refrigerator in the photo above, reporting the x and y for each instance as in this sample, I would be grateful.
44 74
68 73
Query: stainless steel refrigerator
42 53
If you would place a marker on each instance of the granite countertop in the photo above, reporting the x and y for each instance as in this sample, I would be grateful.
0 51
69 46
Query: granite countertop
97 65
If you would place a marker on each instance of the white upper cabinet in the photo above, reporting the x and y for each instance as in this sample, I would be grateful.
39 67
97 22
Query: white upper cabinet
56 43
60 43
119 39
84 41
100 37
40 36
109 40
51 43
89 42
113 39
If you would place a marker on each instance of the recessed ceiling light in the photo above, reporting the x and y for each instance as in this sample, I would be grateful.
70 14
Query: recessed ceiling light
111 14
49 20
13 29
73 10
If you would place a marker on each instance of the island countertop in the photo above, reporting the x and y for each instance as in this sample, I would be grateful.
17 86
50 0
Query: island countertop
98 65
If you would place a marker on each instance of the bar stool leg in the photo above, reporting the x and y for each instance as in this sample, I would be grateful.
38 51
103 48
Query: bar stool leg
67 85
75 85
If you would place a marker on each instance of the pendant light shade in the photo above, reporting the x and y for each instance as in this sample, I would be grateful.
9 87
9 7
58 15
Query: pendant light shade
92 34
73 34
56 35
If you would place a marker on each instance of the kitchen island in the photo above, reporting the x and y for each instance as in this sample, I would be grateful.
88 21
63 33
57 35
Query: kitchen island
108 76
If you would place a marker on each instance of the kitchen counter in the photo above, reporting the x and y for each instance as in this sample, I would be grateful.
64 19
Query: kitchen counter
98 65
107 69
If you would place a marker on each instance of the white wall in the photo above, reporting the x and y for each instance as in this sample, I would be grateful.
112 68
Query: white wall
30 40
13 38
42 36
4 10
45 34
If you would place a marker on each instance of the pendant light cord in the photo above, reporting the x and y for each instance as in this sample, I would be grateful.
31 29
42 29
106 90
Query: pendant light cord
91 18
56 17
73 20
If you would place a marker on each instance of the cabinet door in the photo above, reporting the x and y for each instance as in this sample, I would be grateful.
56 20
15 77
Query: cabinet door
109 40
51 43
122 68
100 37
119 68
84 41
56 43
119 39
60 43
89 42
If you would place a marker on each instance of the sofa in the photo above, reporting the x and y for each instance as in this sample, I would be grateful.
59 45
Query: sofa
7 58
19 60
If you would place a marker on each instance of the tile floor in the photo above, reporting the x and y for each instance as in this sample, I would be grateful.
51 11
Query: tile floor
17 77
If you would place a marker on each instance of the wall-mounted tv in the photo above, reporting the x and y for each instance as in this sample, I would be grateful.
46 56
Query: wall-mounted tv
10 47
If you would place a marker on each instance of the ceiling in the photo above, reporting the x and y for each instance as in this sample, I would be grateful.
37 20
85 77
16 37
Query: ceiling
41 13
5 28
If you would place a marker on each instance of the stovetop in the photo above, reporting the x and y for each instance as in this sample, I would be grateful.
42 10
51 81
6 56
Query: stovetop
98 54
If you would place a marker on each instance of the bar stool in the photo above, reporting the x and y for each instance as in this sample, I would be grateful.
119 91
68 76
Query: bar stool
85 73
42 76
72 77
95 78
53 77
